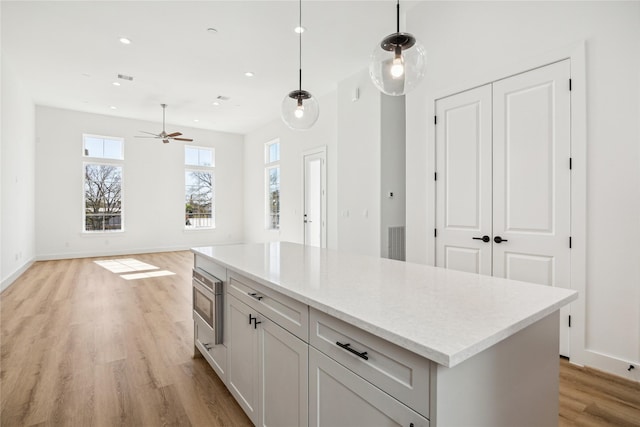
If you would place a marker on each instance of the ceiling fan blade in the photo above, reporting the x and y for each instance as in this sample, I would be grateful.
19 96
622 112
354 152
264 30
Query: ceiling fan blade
183 139
171 135
149 133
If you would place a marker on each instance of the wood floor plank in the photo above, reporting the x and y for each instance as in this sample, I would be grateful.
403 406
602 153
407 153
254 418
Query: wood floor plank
82 346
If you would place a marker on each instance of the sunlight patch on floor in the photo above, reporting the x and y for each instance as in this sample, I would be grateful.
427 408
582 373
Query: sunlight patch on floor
136 268
125 265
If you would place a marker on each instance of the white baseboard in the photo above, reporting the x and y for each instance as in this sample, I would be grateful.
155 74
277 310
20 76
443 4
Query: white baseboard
84 254
609 364
12 277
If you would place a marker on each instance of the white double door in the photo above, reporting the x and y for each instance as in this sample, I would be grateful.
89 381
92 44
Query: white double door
503 182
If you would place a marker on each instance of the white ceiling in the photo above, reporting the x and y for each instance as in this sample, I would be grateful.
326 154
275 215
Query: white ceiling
68 54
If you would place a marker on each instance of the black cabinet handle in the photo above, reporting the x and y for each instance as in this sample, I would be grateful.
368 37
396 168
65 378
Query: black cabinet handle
499 239
256 296
251 318
484 238
255 323
347 347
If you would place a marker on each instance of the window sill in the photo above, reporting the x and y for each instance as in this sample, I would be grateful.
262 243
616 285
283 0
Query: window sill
102 233
191 230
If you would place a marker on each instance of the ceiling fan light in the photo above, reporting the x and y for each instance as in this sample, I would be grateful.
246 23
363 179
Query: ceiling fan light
300 110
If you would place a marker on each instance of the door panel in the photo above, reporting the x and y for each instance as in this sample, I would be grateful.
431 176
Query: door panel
315 199
463 187
463 259
532 181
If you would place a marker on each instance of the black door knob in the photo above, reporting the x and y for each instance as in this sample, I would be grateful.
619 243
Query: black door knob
499 239
484 238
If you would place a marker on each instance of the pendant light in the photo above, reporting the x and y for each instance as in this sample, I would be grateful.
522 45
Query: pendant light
300 109
398 62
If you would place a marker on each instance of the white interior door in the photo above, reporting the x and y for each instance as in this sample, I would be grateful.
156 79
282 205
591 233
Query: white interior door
315 198
532 179
503 153
463 184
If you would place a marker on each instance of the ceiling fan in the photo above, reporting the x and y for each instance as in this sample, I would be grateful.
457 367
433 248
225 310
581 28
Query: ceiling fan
164 136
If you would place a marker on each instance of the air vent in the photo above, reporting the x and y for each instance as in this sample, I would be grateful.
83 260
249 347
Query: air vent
125 77
223 98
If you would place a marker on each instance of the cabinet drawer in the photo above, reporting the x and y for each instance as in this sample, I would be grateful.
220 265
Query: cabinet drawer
292 315
397 371
340 398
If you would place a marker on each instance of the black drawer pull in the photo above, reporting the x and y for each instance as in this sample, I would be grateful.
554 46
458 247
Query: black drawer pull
256 296
347 347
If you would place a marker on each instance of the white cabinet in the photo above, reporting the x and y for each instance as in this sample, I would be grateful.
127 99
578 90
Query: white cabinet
242 345
268 368
338 397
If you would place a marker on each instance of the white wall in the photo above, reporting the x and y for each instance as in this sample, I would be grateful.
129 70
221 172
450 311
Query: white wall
17 233
359 160
292 146
153 187
467 41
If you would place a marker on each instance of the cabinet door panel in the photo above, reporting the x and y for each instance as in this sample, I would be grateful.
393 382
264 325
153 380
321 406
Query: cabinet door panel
284 377
243 358
340 398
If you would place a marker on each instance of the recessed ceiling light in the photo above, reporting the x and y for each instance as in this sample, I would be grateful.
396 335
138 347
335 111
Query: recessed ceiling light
125 40
196 120
115 84
299 30
86 74
113 107
215 103
249 74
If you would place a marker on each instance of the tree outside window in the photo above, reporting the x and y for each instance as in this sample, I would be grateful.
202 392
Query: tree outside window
272 178
103 197
199 188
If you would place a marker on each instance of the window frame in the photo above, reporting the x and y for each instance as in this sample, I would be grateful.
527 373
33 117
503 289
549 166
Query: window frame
200 168
268 167
84 197
112 138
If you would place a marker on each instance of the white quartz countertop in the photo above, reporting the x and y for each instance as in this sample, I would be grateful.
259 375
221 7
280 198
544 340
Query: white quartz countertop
444 315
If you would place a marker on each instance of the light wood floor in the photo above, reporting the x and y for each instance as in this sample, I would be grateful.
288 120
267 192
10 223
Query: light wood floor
81 346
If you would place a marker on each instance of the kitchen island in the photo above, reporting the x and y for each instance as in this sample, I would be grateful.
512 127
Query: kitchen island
318 337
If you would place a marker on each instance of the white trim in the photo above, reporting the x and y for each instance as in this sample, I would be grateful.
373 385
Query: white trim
112 138
9 280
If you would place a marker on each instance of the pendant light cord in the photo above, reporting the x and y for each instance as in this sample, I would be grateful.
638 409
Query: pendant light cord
398 17
300 44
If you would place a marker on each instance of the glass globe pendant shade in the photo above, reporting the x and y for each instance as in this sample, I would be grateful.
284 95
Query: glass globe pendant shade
300 110
398 64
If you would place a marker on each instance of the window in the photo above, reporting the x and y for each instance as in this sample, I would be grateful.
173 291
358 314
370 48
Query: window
198 179
103 184
272 178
